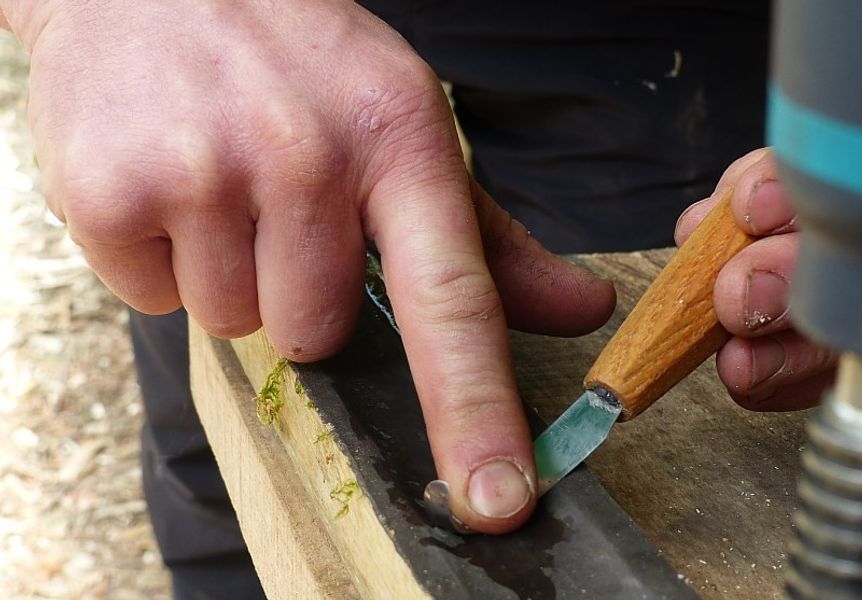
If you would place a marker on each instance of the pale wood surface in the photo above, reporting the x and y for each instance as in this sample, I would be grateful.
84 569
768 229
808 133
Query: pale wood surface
293 554
712 484
673 328
311 531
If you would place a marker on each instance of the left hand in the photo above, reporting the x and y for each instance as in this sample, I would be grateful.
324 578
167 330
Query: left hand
767 365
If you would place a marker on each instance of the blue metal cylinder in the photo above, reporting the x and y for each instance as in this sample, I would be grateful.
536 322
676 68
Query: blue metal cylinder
815 127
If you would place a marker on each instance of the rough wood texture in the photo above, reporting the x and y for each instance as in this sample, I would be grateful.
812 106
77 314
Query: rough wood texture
673 328
332 488
294 556
711 484
292 488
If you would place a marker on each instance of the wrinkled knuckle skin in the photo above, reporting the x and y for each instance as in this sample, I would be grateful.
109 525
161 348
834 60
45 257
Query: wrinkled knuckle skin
306 155
404 109
456 299
480 406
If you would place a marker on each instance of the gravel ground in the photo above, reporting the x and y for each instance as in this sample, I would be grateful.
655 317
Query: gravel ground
73 522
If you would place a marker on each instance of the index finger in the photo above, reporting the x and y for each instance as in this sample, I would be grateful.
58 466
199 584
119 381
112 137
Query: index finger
457 343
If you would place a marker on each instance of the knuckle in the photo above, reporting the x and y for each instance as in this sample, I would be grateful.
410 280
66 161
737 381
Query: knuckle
301 153
405 105
452 297
101 207
480 406
110 199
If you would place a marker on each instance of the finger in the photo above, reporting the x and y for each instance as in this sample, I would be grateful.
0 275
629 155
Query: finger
540 292
694 214
140 274
759 203
751 291
214 266
780 372
456 339
310 256
107 215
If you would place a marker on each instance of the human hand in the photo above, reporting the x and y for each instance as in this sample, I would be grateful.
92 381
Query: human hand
767 365
235 158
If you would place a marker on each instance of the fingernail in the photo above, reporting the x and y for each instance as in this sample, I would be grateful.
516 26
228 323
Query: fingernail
766 299
768 356
499 488
768 211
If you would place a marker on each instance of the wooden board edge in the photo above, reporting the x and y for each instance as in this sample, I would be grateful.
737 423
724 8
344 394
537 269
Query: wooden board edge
331 485
292 553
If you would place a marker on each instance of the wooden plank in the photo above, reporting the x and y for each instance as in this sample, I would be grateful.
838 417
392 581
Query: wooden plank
714 491
294 556
332 491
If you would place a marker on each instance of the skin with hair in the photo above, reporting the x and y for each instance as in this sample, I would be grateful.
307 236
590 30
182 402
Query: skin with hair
235 159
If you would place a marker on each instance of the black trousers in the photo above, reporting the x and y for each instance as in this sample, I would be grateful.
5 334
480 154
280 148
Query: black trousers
593 122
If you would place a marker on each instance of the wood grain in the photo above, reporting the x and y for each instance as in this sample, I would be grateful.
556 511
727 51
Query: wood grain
294 555
324 470
673 328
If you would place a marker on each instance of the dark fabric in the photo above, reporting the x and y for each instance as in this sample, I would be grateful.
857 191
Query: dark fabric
597 123
593 122
192 517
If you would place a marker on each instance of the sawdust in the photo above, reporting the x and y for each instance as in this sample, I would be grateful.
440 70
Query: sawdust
73 523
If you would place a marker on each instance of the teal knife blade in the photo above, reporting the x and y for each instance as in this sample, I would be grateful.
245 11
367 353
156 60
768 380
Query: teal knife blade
574 435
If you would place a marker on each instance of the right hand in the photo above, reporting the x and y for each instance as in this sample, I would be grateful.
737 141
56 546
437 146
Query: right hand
235 157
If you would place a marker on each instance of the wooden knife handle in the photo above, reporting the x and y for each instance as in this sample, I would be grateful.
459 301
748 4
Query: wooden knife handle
673 328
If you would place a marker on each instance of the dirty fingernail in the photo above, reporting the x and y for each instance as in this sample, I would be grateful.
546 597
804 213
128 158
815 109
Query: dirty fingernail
766 299
499 488
769 356
768 210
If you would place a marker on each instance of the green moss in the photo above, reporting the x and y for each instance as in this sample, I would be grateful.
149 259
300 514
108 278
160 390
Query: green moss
269 399
326 435
343 494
